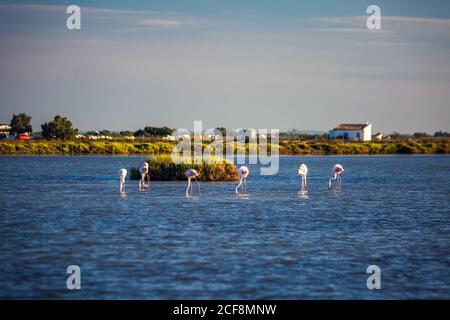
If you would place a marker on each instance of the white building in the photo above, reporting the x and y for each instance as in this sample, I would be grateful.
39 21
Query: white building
4 130
360 132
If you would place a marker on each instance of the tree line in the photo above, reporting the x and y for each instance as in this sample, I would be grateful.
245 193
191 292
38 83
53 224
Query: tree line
62 128
58 128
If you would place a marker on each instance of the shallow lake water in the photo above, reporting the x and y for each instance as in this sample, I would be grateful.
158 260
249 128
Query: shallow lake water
274 243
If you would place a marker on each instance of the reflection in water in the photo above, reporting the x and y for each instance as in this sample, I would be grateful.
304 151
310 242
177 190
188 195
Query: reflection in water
244 196
303 194
192 198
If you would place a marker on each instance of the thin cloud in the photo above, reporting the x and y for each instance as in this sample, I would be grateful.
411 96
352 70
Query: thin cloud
418 20
356 20
161 23
140 18
348 30
389 24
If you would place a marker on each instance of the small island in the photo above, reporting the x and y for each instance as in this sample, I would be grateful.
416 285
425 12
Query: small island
162 168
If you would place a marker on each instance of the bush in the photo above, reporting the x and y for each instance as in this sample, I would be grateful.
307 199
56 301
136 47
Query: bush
73 147
97 147
405 148
119 147
374 148
7 148
162 168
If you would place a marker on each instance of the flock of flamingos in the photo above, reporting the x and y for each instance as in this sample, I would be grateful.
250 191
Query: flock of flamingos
243 173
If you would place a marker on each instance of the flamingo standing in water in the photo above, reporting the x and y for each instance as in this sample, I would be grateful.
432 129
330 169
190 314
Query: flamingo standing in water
122 175
303 171
337 171
143 170
191 173
243 172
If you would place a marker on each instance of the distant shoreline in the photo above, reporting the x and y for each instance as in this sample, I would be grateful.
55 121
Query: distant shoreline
291 148
145 156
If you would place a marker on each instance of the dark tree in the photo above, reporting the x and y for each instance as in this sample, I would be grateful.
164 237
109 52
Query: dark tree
420 135
59 128
139 133
21 123
105 132
126 133
154 131
440 134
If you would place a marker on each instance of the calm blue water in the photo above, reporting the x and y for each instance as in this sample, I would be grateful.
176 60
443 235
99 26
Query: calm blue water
392 211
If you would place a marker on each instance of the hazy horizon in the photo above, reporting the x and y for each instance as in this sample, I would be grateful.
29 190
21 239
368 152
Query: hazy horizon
253 64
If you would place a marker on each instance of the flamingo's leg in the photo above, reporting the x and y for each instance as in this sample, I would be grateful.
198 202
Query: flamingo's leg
198 185
148 180
332 178
245 184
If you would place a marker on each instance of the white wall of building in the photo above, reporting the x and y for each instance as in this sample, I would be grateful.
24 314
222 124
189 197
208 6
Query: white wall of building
368 132
363 134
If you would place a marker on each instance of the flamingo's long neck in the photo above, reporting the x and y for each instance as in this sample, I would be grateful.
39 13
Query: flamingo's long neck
240 182
187 189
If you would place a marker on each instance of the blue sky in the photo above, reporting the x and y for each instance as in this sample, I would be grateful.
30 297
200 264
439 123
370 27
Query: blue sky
261 64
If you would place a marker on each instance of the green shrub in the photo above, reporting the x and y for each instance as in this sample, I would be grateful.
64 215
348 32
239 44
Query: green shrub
389 148
443 148
405 148
44 148
7 148
73 147
97 147
374 148
162 168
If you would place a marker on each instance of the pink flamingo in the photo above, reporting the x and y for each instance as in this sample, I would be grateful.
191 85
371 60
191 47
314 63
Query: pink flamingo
143 170
303 171
191 173
122 176
243 172
337 171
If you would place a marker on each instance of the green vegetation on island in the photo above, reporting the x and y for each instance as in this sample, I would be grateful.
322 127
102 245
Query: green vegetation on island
164 169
